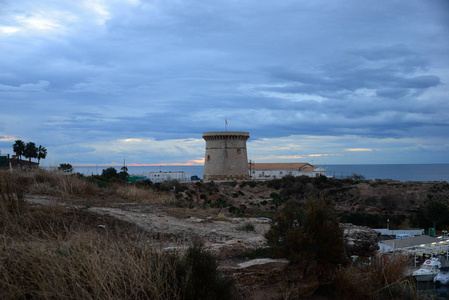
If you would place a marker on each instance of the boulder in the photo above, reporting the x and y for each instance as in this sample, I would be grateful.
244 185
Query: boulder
360 240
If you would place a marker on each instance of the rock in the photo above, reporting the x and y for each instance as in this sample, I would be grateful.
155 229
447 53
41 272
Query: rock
261 263
264 220
196 220
360 240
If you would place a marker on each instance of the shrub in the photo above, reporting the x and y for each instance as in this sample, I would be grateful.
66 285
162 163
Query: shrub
248 226
219 203
384 278
275 184
109 173
67 168
309 232
276 199
200 276
252 183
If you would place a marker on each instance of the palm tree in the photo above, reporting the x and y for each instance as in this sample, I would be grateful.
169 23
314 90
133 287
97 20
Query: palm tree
41 153
30 151
18 148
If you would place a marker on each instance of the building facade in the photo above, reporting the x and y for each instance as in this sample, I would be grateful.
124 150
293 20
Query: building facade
164 176
226 156
279 170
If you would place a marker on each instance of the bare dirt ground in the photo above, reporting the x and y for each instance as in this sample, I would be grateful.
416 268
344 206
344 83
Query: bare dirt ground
228 236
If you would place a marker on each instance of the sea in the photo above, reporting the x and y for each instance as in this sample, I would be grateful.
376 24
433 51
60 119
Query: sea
400 172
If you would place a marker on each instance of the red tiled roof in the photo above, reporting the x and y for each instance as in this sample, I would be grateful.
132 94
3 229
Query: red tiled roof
309 169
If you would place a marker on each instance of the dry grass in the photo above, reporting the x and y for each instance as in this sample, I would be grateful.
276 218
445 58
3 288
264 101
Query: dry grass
142 195
61 253
57 184
222 217
54 183
384 278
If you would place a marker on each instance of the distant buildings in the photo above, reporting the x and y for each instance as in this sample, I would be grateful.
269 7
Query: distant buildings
226 159
163 176
13 162
279 170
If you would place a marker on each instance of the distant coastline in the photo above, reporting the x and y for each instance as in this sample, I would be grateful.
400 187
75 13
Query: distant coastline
401 172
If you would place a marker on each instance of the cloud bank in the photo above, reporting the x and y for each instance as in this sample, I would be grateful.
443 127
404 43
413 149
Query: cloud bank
99 81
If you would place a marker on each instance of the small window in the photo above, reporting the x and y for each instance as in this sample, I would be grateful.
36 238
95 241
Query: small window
208 158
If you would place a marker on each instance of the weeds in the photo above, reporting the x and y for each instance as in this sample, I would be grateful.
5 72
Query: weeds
61 253
248 226
142 195
384 278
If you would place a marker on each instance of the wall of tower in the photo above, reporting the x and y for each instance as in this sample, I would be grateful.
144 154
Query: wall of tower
226 156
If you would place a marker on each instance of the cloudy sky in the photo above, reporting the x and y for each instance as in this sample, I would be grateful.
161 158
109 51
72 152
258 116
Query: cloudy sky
327 82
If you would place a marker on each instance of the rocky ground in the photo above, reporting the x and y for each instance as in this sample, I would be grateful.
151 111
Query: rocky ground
229 236
247 213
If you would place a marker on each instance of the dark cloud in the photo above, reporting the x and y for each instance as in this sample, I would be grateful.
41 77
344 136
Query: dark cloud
81 73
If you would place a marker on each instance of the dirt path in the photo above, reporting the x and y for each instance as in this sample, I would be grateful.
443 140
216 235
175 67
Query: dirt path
219 234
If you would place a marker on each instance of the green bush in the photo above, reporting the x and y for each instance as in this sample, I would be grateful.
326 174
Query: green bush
98 180
308 232
276 199
252 183
219 203
109 173
200 276
248 226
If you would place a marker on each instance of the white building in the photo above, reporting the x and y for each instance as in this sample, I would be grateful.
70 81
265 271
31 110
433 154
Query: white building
416 245
401 232
163 176
279 170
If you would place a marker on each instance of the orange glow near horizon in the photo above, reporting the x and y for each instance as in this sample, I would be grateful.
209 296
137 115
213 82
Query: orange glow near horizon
358 149
193 162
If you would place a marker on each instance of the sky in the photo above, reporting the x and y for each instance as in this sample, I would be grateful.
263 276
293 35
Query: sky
324 82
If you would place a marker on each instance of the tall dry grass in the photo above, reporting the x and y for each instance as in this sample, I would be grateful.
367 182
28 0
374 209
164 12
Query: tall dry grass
61 253
58 184
142 195
384 278
54 183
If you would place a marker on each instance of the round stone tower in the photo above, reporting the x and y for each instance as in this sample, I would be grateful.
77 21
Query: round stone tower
226 157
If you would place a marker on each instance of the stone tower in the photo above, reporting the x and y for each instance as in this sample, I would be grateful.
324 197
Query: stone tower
226 157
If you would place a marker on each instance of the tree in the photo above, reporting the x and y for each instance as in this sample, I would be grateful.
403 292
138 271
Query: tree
19 148
30 151
357 177
66 168
109 173
124 173
41 153
310 232
437 213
